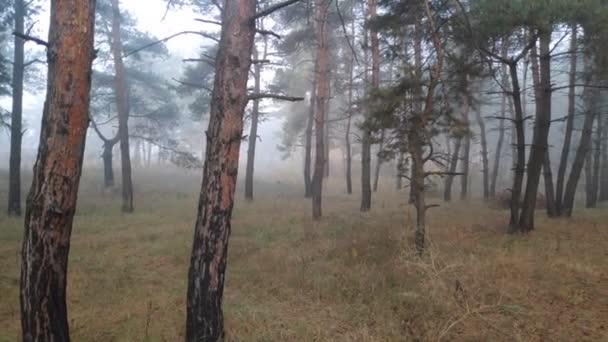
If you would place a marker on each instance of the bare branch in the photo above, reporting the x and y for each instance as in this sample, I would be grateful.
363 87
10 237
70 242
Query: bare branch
269 10
30 38
193 85
274 96
203 34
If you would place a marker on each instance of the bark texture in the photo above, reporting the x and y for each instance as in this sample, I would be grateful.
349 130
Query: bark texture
204 321
51 202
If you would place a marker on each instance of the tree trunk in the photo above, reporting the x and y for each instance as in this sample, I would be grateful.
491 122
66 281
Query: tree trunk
14 188
308 148
379 160
589 200
351 80
399 178
449 178
484 154
603 196
563 163
204 320
122 104
551 205
322 97
253 133
520 163
498 151
582 151
366 144
51 203
541 134
108 171
464 184
326 142
595 174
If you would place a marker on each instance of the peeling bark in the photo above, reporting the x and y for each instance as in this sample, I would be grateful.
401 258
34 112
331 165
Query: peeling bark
51 202
204 321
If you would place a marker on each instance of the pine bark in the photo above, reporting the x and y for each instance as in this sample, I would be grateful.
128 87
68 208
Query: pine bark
51 202
520 146
449 178
14 185
204 321
322 97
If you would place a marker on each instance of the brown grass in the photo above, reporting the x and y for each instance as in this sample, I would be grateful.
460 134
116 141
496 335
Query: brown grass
350 277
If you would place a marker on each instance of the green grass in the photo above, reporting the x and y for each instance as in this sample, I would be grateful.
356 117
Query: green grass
350 277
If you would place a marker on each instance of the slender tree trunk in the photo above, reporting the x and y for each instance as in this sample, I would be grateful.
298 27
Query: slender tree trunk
322 97
563 163
449 178
51 203
498 151
14 188
595 180
326 142
366 158
379 160
122 104
484 154
308 148
603 196
399 178
541 134
204 320
108 171
520 164
253 133
589 200
551 204
464 181
582 151
349 161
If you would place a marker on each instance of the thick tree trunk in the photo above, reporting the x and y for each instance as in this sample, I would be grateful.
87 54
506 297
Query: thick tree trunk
449 178
14 185
108 171
122 104
51 203
563 162
308 143
484 154
322 97
253 133
582 151
541 134
204 320
417 183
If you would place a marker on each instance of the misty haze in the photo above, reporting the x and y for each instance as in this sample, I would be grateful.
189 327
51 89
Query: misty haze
303 170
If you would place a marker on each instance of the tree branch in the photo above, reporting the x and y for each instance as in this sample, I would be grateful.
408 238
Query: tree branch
30 38
274 96
203 34
269 10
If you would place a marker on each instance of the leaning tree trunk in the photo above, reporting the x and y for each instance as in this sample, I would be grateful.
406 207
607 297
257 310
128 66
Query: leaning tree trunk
551 204
253 133
51 203
449 178
322 97
308 143
122 104
484 154
204 320
563 163
541 135
14 184
582 151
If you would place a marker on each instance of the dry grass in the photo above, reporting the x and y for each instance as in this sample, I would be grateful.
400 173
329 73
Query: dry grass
351 277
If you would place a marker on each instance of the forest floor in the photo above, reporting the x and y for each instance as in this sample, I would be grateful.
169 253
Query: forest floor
350 277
